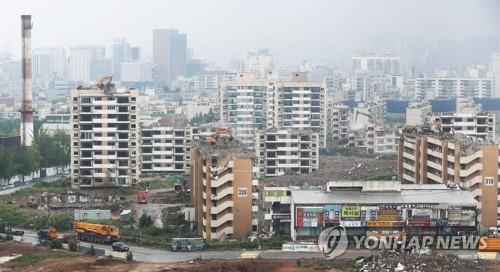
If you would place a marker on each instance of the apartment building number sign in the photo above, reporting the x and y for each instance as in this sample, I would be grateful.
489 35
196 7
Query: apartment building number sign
242 192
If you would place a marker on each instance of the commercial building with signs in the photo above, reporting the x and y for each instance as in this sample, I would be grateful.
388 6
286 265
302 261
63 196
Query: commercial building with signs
104 137
470 162
277 209
374 206
224 180
280 152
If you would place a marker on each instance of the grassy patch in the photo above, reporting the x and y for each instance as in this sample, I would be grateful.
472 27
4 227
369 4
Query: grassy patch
382 175
167 182
40 187
12 215
34 258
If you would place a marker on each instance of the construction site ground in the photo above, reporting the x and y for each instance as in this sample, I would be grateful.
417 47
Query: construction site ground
35 259
42 259
339 168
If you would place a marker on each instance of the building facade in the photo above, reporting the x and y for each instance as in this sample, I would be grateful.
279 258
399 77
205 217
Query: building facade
281 152
338 119
472 163
369 208
480 125
252 105
448 87
224 180
169 55
104 138
165 149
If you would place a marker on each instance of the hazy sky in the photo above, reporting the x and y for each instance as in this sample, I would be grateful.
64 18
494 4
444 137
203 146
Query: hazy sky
221 30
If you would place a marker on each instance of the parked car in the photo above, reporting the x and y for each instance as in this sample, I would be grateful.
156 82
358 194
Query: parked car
120 247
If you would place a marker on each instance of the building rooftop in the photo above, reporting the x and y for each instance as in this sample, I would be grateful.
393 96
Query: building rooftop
466 142
448 197
222 147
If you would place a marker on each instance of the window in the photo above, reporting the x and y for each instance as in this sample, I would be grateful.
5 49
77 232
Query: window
242 192
489 181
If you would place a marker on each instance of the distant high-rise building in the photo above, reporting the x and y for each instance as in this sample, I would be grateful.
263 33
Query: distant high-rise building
259 63
495 70
135 72
135 53
377 64
169 55
86 63
80 63
451 87
120 53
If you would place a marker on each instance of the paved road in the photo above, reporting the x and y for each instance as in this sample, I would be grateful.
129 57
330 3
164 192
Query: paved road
163 256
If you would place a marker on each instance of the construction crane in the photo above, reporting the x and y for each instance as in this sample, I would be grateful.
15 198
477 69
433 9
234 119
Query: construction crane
96 233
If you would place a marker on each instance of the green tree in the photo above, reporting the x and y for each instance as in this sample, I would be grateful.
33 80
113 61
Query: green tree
145 221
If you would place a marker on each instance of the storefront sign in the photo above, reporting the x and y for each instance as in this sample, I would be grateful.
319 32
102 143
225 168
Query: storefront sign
454 215
300 247
351 212
281 216
351 224
386 223
421 214
387 215
299 217
419 223
309 216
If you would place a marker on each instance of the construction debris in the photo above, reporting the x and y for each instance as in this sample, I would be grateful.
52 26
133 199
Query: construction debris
391 260
337 168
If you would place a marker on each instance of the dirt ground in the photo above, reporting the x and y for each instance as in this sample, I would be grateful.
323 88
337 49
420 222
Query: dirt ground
80 263
336 168
83 263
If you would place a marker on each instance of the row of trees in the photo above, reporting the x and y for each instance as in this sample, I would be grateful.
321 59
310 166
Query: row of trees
47 151
199 118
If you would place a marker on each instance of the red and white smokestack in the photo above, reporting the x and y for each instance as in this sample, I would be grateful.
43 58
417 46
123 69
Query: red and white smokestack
26 107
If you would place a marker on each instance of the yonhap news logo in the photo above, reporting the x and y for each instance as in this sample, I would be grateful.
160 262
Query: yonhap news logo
332 242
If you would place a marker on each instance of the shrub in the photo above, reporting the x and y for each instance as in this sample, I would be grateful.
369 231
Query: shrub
56 244
130 256
145 220
91 250
72 245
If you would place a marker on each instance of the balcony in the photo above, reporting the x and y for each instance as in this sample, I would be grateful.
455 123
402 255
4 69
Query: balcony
224 192
222 233
219 222
222 180
221 207
471 170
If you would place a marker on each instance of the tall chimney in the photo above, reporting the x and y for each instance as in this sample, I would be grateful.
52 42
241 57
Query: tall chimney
26 107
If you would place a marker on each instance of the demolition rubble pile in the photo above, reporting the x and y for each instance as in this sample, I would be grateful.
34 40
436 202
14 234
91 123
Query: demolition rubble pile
336 168
407 262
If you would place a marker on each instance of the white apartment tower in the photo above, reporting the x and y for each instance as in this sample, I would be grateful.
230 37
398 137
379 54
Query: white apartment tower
281 152
104 138
448 87
252 105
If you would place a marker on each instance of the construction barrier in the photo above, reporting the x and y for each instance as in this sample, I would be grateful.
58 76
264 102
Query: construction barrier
115 254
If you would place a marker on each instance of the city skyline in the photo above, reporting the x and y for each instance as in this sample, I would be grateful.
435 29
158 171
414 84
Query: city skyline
345 28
